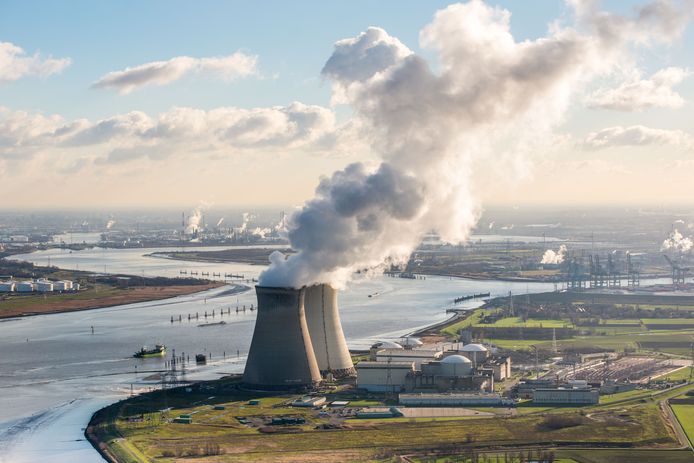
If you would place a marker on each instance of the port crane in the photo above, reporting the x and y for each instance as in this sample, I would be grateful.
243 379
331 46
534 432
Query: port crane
678 272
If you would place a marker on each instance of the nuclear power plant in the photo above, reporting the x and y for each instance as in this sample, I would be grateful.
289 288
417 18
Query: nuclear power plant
297 336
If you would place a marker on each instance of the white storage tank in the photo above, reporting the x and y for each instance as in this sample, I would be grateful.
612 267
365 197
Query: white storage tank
6 286
24 287
62 285
44 286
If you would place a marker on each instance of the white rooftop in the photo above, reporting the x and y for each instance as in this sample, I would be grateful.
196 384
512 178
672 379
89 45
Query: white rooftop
474 348
455 359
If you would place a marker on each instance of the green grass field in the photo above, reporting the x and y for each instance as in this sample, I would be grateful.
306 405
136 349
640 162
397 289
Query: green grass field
157 440
685 415
530 323
473 318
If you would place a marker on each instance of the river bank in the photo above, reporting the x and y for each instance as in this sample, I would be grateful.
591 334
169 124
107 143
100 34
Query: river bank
35 304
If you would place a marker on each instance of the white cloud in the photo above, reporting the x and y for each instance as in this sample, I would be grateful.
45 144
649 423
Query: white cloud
229 67
15 63
637 135
135 134
636 94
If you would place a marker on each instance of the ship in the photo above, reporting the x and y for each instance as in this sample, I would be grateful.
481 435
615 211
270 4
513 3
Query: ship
158 351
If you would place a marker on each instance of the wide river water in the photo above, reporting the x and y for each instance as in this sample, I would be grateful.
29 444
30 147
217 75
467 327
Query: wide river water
54 372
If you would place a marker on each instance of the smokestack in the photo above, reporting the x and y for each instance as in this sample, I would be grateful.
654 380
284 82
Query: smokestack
281 354
325 329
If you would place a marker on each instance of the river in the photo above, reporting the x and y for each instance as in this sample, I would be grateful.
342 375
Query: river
54 372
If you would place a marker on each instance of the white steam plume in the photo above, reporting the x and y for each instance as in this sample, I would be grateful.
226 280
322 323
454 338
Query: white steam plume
437 132
551 257
677 242
219 222
195 219
110 224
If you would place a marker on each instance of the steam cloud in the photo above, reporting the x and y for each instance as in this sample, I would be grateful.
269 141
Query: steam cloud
435 131
551 257
110 224
677 242
195 219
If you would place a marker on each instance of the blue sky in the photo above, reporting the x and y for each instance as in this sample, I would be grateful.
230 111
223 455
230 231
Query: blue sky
292 41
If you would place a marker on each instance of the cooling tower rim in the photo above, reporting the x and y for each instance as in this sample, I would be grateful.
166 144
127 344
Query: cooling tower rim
292 288
278 288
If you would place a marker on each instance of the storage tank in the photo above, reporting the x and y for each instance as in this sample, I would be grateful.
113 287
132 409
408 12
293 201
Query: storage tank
24 287
44 286
6 286
325 328
62 285
281 354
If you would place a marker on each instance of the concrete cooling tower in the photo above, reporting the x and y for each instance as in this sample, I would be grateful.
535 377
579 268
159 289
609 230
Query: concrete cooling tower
325 329
281 353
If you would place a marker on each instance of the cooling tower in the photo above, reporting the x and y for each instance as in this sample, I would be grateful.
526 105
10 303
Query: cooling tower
281 354
325 329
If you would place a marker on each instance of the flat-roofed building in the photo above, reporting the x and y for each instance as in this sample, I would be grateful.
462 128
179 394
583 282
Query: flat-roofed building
566 396
418 356
383 376
453 399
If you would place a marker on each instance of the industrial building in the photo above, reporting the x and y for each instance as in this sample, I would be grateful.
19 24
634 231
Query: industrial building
484 360
309 401
297 336
418 356
477 353
469 367
453 400
566 396
384 376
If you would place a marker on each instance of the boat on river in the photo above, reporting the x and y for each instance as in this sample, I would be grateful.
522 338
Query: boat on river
158 351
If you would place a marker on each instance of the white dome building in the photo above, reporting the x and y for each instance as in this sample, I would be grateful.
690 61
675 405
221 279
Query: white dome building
456 365
386 345
475 352
409 343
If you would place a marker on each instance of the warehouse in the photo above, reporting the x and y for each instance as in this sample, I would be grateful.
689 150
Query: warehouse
418 356
383 376
453 400
561 396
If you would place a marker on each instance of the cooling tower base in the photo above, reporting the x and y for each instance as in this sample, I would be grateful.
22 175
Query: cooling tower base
278 388
342 373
